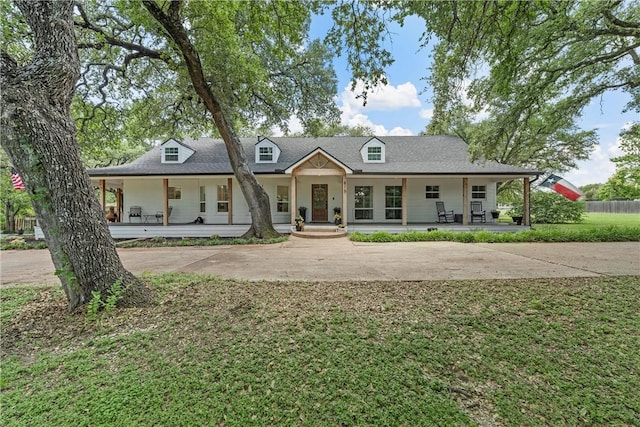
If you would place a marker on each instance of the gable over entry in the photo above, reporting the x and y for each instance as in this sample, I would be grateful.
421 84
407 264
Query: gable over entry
317 163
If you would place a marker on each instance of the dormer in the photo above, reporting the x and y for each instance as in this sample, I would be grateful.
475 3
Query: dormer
173 151
267 151
373 151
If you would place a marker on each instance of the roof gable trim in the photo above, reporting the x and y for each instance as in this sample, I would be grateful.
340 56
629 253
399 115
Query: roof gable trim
309 156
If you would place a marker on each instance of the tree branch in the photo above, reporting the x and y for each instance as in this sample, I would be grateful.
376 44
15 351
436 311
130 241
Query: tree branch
141 51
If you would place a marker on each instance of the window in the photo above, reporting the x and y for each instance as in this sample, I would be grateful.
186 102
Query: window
282 197
432 192
266 154
478 191
203 200
363 203
223 198
393 202
174 193
171 154
373 151
374 154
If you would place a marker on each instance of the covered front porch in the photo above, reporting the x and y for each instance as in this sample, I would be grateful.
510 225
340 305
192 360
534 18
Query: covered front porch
121 231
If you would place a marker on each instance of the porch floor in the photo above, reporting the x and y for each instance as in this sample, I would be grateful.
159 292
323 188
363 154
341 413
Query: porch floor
125 230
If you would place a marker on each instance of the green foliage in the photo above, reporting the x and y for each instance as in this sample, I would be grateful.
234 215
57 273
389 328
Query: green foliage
551 208
531 68
625 183
611 233
93 306
260 70
590 191
13 203
108 303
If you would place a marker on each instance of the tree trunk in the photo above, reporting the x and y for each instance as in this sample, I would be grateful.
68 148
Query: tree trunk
39 137
254 194
9 217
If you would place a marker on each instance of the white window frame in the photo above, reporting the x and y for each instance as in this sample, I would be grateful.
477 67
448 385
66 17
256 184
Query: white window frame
374 154
282 205
432 191
396 197
203 199
368 209
265 154
224 200
171 154
174 193
479 192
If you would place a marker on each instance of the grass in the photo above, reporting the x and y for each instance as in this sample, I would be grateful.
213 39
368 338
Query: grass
214 352
597 227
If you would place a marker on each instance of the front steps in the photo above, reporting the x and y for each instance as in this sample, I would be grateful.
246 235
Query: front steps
320 232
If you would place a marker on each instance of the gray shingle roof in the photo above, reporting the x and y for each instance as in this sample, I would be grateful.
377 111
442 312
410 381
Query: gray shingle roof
433 155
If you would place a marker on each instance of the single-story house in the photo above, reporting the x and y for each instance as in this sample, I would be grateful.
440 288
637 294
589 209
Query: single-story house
390 180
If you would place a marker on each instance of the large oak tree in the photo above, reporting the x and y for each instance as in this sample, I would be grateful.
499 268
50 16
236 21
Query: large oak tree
39 137
210 67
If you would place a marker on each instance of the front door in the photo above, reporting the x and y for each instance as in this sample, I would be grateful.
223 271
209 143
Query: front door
320 210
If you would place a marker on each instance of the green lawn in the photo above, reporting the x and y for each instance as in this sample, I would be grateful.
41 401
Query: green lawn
212 352
593 220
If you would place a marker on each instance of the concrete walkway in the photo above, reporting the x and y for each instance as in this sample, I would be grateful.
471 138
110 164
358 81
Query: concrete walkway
343 260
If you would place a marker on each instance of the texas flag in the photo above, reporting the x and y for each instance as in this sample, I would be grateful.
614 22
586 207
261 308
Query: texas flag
562 186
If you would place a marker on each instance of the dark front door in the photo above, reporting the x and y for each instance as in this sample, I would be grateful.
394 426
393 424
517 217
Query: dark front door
320 210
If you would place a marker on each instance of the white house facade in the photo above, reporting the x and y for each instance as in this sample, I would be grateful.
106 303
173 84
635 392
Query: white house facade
368 180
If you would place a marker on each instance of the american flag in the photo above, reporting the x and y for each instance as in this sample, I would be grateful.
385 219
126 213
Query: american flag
16 180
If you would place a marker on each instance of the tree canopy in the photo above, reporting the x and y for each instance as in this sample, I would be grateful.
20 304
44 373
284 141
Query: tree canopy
625 183
529 68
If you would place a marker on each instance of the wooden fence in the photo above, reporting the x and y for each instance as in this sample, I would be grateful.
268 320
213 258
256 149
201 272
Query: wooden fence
615 206
25 223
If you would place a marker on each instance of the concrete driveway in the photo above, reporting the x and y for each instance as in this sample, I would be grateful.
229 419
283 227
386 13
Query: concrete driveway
343 260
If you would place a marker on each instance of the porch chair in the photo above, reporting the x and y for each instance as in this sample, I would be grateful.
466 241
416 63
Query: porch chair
477 212
135 212
444 215
159 214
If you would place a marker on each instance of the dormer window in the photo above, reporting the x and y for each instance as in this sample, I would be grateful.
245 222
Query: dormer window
374 154
265 154
373 151
173 151
171 154
267 151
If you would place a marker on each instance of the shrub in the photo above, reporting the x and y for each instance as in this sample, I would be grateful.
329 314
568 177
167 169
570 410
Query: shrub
551 208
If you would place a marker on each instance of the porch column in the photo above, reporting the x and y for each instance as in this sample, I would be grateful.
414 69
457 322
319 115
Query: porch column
526 215
165 201
404 201
103 200
230 204
344 200
465 201
294 199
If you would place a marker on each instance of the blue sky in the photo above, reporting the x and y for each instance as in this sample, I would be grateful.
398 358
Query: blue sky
403 108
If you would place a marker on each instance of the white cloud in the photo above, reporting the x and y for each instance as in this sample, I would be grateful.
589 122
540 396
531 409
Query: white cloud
295 126
398 131
380 98
363 120
426 113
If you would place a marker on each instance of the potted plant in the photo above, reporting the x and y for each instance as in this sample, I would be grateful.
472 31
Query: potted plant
337 218
302 211
495 214
516 213
299 223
